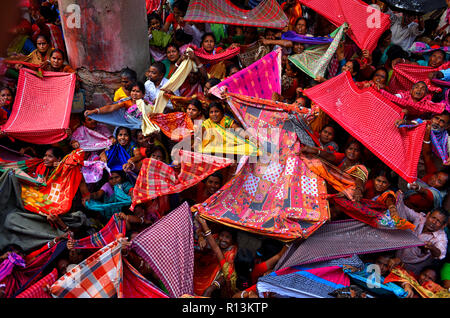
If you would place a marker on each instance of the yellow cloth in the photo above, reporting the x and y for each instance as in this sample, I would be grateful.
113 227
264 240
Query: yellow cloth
176 80
120 94
147 126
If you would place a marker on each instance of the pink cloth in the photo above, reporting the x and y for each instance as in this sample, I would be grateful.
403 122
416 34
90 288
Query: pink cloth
90 140
260 79
358 15
370 118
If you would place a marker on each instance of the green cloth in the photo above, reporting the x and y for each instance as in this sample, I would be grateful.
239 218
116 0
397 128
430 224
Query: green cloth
315 59
219 31
160 38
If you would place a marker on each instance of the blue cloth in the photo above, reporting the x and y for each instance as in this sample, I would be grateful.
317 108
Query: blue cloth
446 73
118 118
28 47
295 37
114 203
374 283
117 157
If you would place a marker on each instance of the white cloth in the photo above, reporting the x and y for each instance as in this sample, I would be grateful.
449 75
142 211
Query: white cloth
152 92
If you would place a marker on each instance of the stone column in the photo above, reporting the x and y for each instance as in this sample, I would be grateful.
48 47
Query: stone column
102 37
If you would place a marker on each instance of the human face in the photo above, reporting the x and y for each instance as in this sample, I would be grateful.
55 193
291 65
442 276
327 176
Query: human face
348 67
418 91
90 123
387 40
177 13
193 112
298 48
353 152
62 266
42 45
172 54
436 59
427 275
208 43
270 35
125 81
215 114
212 185
206 89
327 135
446 41
136 93
381 184
379 78
154 25
289 71
233 70
5 97
438 180
56 60
114 179
154 75
157 155
300 27
225 240
383 263
49 158
440 122
140 138
123 138
434 221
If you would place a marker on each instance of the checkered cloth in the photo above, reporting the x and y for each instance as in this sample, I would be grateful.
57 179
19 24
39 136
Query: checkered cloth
414 108
115 228
206 57
42 106
98 276
268 14
168 247
345 238
357 14
405 76
37 290
157 179
370 118
261 79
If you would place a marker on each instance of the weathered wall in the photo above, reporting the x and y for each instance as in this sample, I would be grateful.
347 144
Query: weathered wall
107 36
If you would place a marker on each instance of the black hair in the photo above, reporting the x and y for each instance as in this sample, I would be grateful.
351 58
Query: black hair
138 84
50 15
182 37
441 211
155 148
128 73
230 67
13 247
395 52
122 175
356 66
57 152
269 248
181 5
216 174
208 34
384 172
302 18
244 263
213 81
442 52
216 105
196 103
155 16
43 35
160 67
122 128
172 44
58 51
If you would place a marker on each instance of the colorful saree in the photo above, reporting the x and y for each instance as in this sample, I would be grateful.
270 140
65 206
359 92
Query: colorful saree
157 179
56 197
90 140
428 289
175 125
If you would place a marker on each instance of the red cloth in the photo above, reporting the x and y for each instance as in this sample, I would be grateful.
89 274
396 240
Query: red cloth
405 75
37 290
42 106
258 271
137 286
152 5
357 14
370 118
414 108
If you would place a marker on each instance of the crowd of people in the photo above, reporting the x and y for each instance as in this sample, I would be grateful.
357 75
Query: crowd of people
224 265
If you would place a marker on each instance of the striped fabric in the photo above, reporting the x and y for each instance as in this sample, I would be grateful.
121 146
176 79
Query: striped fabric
345 238
112 230
370 118
157 179
23 169
37 290
168 247
261 79
358 15
98 276
42 106
405 76
267 14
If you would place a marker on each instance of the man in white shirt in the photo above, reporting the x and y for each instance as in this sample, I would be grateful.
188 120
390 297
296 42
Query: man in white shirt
155 82
404 29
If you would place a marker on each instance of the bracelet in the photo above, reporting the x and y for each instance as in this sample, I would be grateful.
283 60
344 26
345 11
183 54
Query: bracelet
242 294
216 283
98 110
65 229
200 66
142 219
427 142
318 153
207 233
